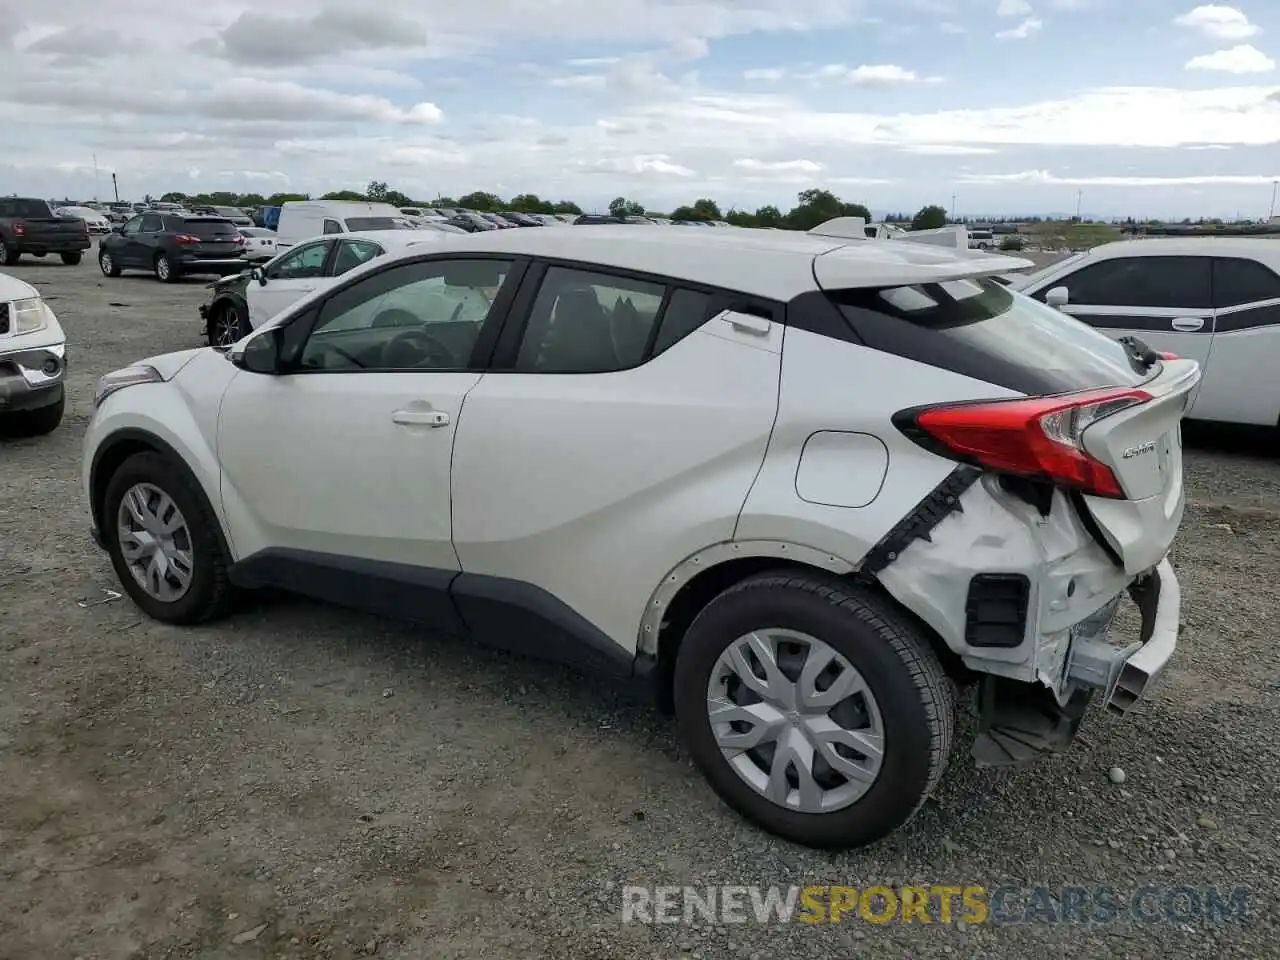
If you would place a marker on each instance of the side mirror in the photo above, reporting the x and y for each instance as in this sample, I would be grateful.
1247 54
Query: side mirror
260 275
261 354
1057 297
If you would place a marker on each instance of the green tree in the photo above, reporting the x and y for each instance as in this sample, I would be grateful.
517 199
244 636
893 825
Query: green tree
742 218
769 216
479 200
377 190
929 217
816 206
707 209
344 195
622 207
531 203
566 206
277 199
173 197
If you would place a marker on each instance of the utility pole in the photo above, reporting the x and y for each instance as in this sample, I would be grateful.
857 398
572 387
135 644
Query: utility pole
1079 200
95 178
115 187
1274 185
953 206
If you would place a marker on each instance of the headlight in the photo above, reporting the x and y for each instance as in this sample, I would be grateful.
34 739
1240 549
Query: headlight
126 377
28 316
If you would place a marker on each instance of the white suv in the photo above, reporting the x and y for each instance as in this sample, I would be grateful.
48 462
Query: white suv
33 361
803 486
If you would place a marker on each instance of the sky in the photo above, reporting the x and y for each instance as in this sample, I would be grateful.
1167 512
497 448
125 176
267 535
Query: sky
987 107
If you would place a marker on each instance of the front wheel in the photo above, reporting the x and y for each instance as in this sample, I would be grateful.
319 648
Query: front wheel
227 326
72 259
162 537
814 708
8 255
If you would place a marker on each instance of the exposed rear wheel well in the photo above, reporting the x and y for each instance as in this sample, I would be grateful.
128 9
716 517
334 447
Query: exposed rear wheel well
706 586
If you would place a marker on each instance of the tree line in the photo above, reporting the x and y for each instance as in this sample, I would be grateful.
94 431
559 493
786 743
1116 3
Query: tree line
812 207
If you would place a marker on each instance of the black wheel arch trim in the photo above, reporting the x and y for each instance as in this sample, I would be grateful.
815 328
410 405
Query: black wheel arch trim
919 524
133 436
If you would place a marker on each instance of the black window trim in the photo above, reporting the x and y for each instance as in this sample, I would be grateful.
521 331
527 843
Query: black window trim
331 261
480 353
507 347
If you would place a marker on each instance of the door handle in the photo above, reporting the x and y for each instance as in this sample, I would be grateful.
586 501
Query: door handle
1188 324
426 418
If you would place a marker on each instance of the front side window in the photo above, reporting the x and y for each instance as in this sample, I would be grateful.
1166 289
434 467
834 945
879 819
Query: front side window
1180 283
415 316
332 226
132 227
352 253
302 263
588 322
151 223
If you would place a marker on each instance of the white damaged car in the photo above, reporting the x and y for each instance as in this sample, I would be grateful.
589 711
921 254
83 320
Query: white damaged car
33 361
804 487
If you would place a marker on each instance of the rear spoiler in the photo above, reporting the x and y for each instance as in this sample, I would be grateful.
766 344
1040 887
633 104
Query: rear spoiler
857 228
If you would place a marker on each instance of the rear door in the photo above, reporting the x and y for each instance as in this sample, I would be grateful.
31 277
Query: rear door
1240 383
1166 301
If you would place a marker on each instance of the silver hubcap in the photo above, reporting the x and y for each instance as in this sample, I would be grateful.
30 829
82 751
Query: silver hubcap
104 261
227 329
155 542
162 268
795 720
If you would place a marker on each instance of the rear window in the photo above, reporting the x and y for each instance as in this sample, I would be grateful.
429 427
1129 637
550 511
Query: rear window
981 329
355 224
209 229
227 212
33 209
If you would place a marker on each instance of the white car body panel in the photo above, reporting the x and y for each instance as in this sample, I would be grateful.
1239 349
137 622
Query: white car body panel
675 445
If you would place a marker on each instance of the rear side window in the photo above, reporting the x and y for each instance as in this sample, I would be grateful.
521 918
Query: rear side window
686 311
981 329
1181 283
210 229
356 224
1238 281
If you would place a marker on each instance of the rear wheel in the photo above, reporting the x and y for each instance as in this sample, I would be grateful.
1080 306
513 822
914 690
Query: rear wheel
108 264
166 272
814 708
8 255
72 259
163 540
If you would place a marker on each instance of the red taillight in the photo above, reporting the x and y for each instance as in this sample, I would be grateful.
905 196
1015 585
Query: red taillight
1035 437
19 229
185 238
1166 355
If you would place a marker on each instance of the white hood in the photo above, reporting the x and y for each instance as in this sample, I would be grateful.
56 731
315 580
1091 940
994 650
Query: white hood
11 288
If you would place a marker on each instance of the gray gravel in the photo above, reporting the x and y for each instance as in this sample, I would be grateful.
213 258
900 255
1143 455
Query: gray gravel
302 781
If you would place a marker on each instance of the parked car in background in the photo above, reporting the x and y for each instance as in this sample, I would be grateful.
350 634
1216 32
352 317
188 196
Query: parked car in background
600 219
472 222
172 246
300 219
95 221
240 303
524 219
234 214
259 244
1215 300
422 213
439 226
882 477
29 226
33 361
498 220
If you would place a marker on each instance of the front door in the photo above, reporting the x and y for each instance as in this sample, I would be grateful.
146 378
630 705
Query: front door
140 245
342 465
288 278
1165 301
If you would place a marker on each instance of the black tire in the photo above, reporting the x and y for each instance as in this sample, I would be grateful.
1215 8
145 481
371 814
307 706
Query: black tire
72 259
34 423
915 698
166 271
107 264
209 596
9 256
230 320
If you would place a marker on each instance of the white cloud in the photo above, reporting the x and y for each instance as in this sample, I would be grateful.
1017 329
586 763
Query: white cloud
1013 8
778 166
690 48
657 164
1045 178
764 74
1025 30
1218 22
948 150
1243 58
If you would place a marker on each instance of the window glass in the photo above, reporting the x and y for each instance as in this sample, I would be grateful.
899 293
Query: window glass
1169 282
211 229
416 316
302 263
371 223
587 322
132 227
332 226
151 222
686 311
1237 281
352 253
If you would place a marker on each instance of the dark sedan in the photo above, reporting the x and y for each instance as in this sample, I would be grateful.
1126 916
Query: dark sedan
473 223
172 246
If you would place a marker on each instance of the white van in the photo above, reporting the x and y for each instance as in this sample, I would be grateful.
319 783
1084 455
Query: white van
302 219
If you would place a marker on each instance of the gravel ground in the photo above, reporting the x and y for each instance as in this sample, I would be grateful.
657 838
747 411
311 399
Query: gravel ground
302 781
